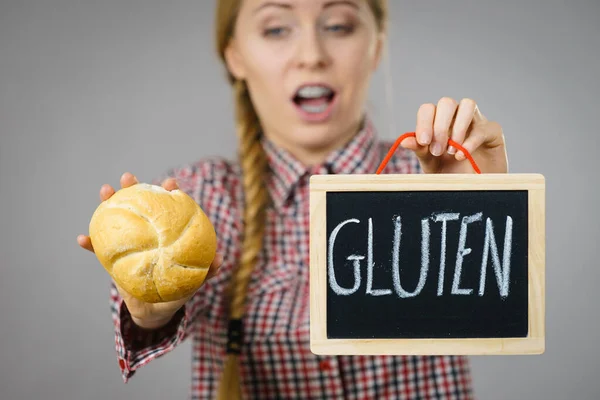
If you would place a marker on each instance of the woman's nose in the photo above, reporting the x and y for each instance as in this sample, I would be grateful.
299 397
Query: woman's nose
311 52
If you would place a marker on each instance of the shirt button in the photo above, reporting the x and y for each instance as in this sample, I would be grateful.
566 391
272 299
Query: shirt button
325 365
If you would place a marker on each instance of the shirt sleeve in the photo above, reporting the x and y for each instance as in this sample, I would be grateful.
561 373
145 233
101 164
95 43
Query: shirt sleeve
136 346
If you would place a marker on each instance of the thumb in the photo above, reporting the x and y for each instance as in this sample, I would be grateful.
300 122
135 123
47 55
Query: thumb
214 267
428 161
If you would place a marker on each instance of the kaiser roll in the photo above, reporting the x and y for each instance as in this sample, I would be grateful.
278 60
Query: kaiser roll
156 244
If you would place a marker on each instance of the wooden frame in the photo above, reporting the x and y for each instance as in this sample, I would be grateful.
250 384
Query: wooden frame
534 343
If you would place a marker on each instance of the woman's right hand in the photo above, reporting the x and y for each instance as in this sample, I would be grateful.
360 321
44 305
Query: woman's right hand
146 315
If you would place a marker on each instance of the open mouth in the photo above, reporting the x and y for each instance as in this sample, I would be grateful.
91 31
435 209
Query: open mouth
314 99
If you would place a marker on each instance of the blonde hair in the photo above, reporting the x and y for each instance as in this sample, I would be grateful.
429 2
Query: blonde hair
253 161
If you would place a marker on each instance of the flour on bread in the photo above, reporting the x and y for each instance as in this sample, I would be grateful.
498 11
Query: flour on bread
155 188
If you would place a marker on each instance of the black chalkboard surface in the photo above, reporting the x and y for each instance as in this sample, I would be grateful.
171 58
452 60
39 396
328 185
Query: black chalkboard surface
427 264
404 286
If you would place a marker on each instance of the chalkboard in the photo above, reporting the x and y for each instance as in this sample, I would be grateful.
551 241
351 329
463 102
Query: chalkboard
413 264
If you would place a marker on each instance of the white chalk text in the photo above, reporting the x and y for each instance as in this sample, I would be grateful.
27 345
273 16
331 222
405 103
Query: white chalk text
500 265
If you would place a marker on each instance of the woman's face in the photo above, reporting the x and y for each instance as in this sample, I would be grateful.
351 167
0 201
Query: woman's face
307 64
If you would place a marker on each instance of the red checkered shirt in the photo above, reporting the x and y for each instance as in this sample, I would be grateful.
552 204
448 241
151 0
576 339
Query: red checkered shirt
276 361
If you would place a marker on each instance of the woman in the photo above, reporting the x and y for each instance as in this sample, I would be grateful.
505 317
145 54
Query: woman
301 71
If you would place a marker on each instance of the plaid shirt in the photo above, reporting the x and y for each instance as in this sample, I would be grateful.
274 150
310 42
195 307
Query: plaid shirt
276 361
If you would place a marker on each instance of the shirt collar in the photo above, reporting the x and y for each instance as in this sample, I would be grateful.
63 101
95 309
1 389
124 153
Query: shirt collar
359 156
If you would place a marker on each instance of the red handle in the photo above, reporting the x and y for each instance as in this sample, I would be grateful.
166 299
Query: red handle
412 134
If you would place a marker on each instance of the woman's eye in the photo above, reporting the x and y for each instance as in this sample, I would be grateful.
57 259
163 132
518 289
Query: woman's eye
275 31
340 28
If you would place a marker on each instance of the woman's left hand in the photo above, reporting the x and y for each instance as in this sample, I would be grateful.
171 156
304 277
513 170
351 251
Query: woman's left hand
464 124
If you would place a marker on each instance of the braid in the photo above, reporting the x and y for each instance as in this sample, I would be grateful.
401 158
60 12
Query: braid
254 164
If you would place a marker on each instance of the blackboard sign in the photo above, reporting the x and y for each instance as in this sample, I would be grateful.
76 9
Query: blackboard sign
427 264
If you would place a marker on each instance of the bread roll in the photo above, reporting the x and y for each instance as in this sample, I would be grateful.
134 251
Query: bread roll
156 244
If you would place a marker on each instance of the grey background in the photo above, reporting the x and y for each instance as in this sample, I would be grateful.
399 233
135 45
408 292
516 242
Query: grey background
90 89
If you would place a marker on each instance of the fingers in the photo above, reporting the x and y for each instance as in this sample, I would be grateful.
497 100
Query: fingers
444 116
488 134
434 124
85 242
425 117
462 122
128 179
438 123
170 184
106 191
411 144
424 131
214 267
473 142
